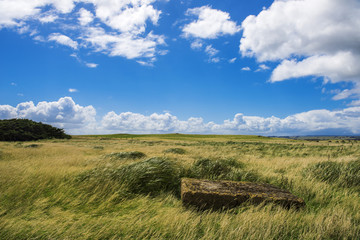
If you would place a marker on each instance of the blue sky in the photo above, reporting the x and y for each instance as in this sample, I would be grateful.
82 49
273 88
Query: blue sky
158 66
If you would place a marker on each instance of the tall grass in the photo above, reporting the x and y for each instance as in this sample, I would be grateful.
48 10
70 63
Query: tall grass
344 174
126 155
69 190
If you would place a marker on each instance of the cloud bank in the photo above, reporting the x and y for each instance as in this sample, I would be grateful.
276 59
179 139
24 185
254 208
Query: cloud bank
76 119
309 38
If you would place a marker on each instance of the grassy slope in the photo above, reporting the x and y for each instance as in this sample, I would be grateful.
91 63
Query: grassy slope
41 199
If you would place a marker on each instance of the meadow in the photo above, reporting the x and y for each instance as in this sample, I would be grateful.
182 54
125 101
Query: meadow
127 187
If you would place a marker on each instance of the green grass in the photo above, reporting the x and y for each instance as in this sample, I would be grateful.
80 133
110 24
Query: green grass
75 189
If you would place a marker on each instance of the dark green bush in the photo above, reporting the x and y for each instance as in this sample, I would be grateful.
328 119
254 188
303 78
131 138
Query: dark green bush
28 130
126 155
175 150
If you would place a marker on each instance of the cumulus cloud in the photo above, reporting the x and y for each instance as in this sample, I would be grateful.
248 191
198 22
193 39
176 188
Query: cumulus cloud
126 16
63 40
310 38
246 69
113 27
85 17
64 113
210 23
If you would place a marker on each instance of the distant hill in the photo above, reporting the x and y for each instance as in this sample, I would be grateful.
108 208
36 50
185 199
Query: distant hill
28 130
321 138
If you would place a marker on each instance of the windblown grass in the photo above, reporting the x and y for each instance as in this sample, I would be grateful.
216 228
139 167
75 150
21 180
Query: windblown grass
69 190
126 155
175 150
344 174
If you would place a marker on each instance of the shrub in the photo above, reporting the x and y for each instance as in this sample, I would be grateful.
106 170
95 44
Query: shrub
28 130
126 155
175 150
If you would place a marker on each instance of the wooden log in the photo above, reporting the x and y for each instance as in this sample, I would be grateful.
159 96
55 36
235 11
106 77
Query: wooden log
205 194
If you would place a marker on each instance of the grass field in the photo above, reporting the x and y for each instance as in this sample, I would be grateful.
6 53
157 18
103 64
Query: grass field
127 187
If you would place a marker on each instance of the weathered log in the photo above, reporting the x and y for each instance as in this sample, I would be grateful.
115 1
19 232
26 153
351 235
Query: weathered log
205 194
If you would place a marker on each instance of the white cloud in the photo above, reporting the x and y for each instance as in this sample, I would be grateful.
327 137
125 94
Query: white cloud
232 60
355 103
197 44
76 119
214 60
246 69
346 121
91 65
63 113
125 15
211 51
210 23
11 11
144 63
63 40
14 12
47 18
262 67
338 67
72 90
311 38
125 21
125 44
85 17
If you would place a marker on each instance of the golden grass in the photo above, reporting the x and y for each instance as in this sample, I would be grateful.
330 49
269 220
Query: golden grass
40 198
